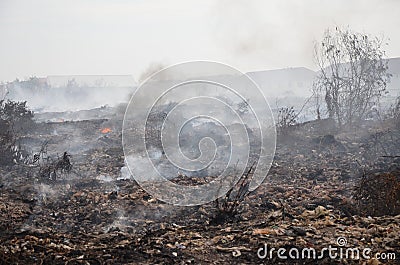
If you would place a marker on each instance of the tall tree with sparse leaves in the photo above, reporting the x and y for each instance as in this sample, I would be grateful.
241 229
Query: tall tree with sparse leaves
353 74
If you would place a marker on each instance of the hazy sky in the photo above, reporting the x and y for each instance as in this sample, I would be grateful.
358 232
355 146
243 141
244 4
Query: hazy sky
50 37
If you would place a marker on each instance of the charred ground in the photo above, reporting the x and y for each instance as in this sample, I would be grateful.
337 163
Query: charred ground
321 186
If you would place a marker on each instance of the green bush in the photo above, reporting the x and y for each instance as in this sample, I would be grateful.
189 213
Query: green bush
15 119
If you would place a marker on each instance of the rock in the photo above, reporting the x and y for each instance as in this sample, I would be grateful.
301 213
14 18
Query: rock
299 231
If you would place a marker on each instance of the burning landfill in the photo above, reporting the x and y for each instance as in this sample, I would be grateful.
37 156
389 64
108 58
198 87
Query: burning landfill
68 196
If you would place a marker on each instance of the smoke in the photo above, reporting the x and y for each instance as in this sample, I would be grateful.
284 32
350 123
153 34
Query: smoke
279 34
150 70
59 99
239 28
264 33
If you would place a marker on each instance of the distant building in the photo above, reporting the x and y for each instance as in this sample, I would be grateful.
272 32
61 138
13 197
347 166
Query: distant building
294 82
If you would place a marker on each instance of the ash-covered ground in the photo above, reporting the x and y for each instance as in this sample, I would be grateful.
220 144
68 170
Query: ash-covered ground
323 184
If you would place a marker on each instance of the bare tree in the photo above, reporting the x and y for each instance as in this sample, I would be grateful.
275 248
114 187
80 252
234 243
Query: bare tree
353 74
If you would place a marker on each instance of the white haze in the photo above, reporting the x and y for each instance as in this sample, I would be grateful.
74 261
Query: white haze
45 37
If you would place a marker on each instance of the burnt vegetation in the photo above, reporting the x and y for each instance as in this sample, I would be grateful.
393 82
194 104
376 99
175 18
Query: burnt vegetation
55 167
229 205
16 121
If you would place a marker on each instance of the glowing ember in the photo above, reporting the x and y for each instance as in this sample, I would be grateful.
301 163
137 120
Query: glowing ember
106 130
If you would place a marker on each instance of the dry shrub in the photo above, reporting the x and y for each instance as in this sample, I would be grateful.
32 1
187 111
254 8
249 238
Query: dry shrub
52 168
15 119
229 205
378 194
287 117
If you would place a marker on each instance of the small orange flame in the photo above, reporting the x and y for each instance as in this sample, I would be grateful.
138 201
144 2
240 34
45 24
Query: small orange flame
106 130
